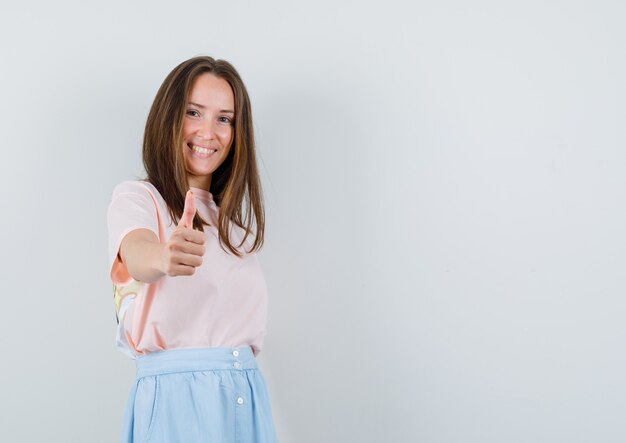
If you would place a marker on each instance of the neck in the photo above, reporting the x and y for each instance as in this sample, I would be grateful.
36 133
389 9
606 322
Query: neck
200 182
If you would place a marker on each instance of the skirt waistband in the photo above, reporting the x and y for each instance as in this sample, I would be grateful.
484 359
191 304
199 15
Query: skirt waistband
195 359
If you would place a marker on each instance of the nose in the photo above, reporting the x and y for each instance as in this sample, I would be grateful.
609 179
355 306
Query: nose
206 130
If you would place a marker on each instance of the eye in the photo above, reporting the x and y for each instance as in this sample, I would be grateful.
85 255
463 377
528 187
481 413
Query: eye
193 113
225 119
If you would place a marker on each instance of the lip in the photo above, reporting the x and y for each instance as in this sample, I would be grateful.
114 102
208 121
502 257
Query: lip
199 155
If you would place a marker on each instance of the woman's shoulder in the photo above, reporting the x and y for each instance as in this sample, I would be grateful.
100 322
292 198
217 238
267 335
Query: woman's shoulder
137 187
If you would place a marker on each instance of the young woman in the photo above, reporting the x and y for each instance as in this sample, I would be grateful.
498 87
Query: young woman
190 296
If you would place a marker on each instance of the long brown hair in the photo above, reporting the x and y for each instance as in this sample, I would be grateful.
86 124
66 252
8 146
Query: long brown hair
234 181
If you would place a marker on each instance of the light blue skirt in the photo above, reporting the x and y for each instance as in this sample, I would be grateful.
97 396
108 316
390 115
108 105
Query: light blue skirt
198 395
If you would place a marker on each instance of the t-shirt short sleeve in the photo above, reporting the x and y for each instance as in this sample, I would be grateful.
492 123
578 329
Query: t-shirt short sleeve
131 207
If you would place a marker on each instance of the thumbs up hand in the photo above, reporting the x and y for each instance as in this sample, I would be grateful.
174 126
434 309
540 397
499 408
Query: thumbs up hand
183 252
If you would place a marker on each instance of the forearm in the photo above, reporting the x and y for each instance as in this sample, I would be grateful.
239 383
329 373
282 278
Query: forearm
142 259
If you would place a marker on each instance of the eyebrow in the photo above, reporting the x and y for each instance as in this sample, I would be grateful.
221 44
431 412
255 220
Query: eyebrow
225 111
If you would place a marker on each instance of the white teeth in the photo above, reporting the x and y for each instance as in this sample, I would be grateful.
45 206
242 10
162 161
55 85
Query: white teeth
203 150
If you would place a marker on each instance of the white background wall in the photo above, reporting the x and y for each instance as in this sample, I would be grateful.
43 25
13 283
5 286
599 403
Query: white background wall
444 185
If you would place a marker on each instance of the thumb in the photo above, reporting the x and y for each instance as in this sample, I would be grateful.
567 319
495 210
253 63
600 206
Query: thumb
189 211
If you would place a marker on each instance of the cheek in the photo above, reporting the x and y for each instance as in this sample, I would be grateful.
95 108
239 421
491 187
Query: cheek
186 133
189 128
226 133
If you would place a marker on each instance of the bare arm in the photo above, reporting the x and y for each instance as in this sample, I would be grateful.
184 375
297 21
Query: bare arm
147 259
141 252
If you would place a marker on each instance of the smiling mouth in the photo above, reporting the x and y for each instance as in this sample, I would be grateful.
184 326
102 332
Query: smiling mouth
200 151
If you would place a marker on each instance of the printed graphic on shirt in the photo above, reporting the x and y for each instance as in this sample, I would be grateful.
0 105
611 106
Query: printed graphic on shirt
120 292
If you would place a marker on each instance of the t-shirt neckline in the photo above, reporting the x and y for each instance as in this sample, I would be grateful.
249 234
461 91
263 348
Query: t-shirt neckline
201 193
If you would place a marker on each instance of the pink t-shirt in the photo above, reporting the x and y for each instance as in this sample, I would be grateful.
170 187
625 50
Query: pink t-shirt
223 304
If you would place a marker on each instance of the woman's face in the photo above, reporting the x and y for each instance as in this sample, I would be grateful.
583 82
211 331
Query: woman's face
208 128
